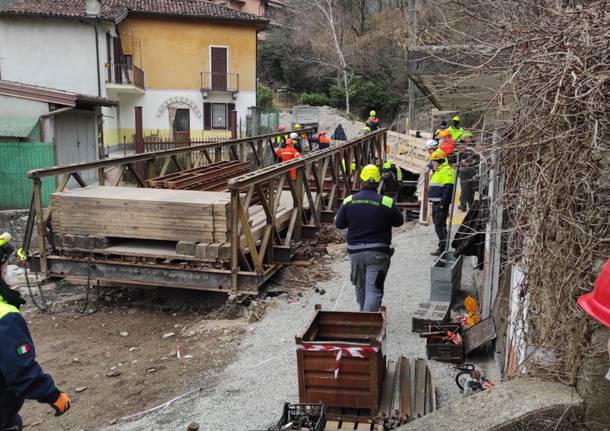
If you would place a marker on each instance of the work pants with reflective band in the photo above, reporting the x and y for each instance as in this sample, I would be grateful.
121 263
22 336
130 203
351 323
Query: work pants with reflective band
368 273
439 217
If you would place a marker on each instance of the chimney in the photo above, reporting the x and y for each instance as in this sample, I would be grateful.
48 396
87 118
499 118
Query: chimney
93 8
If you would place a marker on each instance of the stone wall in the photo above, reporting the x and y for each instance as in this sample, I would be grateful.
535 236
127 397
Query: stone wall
14 222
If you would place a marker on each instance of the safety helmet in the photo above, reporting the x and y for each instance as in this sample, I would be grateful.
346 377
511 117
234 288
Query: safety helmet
289 143
281 128
456 118
322 133
438 155
431 144
597 303
388 164
370 174
294 135
5 237
297 126
373 113
366 129
445 133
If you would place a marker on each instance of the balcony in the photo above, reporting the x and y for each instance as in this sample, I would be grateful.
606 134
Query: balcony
124 78
220 82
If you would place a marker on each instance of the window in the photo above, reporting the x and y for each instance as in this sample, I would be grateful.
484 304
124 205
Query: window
219 116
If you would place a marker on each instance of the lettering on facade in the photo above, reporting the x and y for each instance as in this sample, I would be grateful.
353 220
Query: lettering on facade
177 102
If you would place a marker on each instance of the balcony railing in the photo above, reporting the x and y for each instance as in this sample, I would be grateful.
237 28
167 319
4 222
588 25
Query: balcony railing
120 73
227 82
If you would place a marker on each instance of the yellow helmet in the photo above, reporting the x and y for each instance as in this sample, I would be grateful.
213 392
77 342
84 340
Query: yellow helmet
366 129
297 126
445 133
4 238
372 113
370 174
456 118
438 155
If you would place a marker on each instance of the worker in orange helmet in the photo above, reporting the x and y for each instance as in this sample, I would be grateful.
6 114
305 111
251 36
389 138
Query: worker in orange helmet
597 303
323 140
288 153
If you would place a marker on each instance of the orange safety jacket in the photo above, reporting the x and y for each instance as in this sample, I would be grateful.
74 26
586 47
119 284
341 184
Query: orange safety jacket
286 154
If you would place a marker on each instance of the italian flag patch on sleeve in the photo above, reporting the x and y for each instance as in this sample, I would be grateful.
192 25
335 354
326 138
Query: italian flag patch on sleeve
23 349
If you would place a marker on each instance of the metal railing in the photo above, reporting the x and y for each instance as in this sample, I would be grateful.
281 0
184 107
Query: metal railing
119 73
213 81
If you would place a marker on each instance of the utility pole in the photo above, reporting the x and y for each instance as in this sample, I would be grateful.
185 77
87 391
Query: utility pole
412 41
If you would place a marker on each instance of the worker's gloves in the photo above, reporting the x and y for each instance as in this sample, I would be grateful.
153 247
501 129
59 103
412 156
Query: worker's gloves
61 404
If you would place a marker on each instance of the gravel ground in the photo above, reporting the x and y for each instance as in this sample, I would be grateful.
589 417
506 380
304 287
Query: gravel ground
252 389
330 118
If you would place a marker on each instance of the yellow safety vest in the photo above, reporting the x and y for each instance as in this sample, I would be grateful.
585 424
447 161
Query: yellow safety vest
6 308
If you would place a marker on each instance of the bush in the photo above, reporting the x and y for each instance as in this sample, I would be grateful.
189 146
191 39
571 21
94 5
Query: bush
264 96
315 99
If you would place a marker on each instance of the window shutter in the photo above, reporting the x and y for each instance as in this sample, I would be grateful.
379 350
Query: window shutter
207 116
231 107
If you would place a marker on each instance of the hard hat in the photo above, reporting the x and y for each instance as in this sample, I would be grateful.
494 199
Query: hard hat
597 303
294 135
370 174
297 126
322 133
372 113
443 133
281 128
431 144
5 237
438 155
289 143
456 118
366 129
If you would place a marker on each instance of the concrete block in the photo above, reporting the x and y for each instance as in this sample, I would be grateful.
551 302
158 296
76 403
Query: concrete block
200 250
186 247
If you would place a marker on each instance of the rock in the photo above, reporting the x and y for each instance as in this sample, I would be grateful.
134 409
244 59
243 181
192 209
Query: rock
113 373
253 317
75 360
322 291
113 421
188 356
168 335
80 389
335 249
124 334
151 370
133 349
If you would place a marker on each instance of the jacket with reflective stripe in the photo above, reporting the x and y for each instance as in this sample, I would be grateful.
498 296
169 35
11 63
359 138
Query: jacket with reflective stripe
441 184
456 132
21 377
368 217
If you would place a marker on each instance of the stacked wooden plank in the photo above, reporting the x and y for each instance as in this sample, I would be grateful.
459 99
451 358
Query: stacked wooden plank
154 214
212 177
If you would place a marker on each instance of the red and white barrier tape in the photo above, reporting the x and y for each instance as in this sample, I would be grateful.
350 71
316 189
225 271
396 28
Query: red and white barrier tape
354 352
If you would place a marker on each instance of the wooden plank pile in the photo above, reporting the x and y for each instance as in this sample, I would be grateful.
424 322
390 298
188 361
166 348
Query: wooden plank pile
212 177
154 214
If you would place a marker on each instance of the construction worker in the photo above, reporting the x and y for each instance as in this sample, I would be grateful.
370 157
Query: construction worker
294 136
323 141
391 178
369 218
21 377
440 194
6 249
456 130
281 140
597 303
446 142
301 139
468 162
287 153
373 122
431 145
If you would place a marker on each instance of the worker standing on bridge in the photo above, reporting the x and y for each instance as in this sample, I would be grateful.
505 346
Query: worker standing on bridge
296 142
373 122
456 130
369 218
280 141
289 152
21 377
323 141
440 194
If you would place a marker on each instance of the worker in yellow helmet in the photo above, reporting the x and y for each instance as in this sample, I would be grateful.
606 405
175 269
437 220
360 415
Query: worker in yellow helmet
373 122
456 130
440 194
369 218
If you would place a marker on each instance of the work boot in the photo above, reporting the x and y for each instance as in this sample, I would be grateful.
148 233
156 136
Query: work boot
437 252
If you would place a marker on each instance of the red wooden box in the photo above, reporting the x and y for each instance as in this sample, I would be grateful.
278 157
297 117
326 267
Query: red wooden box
340 359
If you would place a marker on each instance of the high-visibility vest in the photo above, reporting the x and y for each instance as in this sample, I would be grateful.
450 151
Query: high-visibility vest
456 133
443 176
6 308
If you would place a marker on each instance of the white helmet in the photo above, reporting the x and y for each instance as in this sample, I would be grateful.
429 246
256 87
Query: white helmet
294 135
431 144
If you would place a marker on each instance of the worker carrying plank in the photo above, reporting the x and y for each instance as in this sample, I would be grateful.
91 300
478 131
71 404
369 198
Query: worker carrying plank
369 218
440 194
21 377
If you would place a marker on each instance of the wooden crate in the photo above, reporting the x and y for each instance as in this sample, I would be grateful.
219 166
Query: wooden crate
340 359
